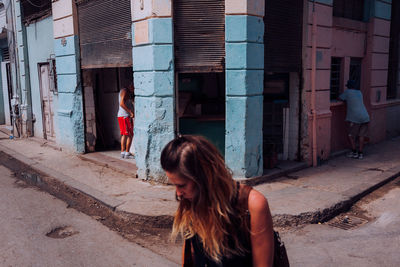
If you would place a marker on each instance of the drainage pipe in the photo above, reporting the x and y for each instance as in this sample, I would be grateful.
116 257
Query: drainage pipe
313 81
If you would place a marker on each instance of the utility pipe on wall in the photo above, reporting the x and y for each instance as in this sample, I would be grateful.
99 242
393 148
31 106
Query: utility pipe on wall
313 81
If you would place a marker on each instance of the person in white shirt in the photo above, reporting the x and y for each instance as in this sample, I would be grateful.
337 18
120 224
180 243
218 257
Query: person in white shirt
357 118
125 120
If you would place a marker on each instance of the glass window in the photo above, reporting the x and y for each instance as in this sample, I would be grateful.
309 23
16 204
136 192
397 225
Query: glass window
355 71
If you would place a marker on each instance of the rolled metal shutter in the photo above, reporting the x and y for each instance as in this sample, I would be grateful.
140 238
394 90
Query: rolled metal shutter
283 35
199 33
105 33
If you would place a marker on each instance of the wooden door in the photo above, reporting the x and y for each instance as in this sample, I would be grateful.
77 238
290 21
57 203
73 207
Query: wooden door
47 101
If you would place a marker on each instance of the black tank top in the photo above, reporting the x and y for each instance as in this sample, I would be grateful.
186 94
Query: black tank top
200 257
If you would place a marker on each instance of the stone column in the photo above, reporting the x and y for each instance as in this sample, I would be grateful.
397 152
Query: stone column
69 113
154 84
244 45
376 66
323 17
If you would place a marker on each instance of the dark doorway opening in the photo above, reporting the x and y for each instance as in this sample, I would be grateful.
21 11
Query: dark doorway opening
201 106
276 101
101 87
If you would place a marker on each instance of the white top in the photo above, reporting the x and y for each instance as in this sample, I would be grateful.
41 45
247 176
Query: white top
128 102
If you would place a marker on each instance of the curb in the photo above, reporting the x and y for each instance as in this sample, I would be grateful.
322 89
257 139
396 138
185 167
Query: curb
68 190
73 192
353 195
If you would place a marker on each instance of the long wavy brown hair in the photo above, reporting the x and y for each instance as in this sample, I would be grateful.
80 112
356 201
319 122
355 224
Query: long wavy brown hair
210 214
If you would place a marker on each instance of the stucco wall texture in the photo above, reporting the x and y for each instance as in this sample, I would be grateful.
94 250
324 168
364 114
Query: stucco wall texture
244 88
154 85
70 107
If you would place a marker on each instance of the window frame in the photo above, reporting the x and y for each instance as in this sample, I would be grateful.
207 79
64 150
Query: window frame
355 62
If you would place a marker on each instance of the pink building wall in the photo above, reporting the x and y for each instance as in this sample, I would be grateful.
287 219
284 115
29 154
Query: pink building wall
323 13
345 38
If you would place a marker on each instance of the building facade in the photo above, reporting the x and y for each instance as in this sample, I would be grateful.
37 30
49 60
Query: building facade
259 78
351 41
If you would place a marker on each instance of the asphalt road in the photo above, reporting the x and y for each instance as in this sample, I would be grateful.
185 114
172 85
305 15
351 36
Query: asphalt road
374 241
38 229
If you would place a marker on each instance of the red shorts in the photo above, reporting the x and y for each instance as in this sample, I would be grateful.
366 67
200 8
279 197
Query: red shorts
125 126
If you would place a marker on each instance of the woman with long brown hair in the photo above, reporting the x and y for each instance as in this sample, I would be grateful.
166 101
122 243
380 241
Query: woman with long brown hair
222 222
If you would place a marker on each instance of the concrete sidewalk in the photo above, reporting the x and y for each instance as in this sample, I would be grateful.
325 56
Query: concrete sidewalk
307 196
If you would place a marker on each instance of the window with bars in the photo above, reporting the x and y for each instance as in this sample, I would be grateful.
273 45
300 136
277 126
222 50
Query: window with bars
350 9
336 67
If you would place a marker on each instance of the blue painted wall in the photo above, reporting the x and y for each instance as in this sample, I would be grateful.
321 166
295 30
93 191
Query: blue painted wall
327 2
154 97
40 47
69 114
244 99
377 9
383 9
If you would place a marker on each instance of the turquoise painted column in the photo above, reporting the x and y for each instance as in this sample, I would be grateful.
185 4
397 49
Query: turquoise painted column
154 84
69 114
244 31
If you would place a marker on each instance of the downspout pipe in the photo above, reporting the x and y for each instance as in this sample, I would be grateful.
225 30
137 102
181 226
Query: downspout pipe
313 82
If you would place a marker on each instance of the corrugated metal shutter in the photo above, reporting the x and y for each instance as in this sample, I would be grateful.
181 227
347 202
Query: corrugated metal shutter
283 35
105 33
199 30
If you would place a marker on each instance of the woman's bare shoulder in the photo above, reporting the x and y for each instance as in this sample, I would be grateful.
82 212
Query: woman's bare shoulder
257 202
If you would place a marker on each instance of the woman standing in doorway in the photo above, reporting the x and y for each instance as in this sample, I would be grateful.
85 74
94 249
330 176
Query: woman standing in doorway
125 120
223 222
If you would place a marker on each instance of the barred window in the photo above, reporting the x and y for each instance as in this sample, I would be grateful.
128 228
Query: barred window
336 67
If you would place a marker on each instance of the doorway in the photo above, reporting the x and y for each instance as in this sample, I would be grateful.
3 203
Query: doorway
46 97
7 91
199 53
101 90
201 106
275 117
281 119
